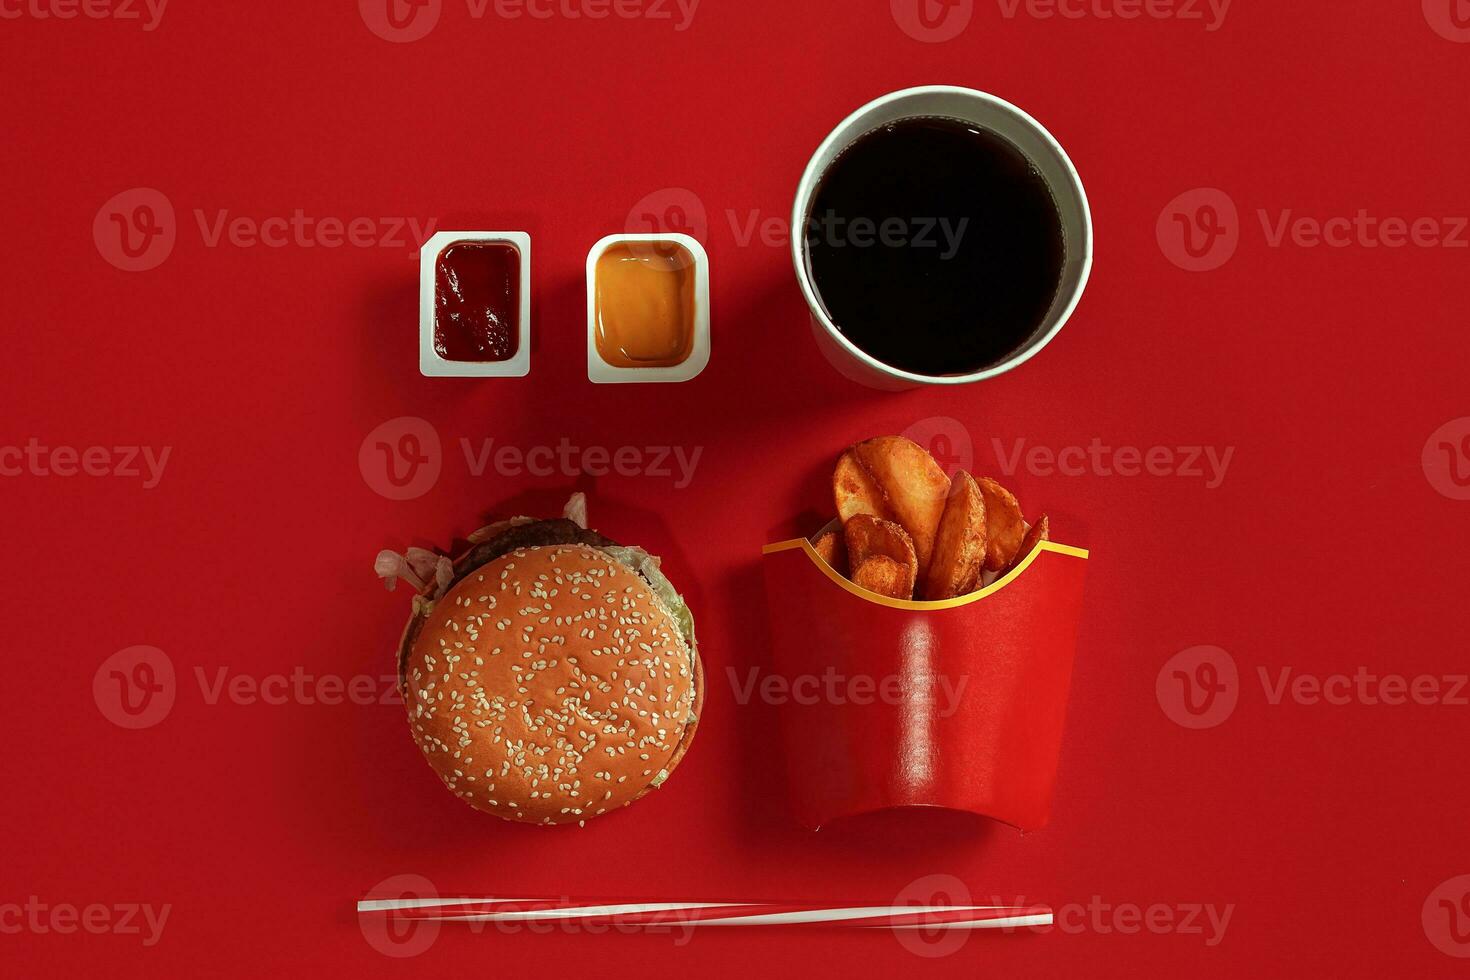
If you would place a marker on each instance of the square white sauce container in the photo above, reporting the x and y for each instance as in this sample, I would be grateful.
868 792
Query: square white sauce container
600 371
431 364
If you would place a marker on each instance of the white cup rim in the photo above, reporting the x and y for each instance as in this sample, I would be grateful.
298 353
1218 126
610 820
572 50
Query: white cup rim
844 135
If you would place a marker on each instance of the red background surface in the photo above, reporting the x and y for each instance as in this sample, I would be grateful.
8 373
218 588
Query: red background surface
1325 549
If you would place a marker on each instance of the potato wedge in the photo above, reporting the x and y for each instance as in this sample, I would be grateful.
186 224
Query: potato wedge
885 577
959 544
832 547
1005 527
1037 533
854 490
868 537
913 485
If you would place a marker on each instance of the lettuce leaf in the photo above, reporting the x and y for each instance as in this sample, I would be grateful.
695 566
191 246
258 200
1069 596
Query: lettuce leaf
647 566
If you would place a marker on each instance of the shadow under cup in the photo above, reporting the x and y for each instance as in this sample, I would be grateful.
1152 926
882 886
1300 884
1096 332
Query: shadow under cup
995 116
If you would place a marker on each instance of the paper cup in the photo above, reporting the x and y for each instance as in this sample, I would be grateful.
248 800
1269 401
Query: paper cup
999 117
889 703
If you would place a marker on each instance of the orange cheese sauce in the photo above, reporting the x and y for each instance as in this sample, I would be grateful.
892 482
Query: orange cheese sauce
645 304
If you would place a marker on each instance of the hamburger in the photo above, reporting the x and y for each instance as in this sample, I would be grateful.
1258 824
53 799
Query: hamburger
551 675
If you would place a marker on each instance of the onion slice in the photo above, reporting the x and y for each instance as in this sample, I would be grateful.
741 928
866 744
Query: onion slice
390 566
443 577
576 510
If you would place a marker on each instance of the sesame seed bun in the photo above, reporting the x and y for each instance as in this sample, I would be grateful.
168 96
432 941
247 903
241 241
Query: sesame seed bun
551 685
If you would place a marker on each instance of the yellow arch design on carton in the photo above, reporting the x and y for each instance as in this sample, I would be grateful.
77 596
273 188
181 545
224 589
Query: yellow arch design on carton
802 544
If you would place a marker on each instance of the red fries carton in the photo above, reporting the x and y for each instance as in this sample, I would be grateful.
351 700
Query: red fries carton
895 703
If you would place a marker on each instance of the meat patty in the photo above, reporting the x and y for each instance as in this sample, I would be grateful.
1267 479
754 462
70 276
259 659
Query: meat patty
536 534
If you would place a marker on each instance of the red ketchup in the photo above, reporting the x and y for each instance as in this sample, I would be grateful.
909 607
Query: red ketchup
477 301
